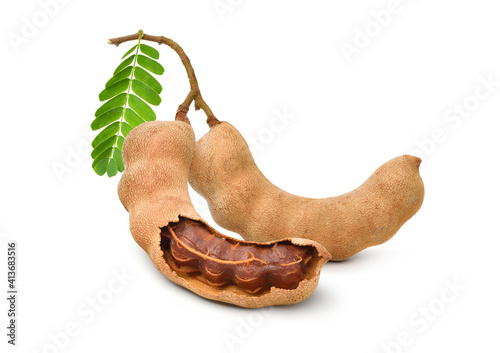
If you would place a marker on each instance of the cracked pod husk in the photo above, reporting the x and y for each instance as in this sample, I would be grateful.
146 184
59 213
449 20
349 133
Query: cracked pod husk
153 189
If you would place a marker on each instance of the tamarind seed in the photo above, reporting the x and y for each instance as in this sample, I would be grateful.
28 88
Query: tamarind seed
251 267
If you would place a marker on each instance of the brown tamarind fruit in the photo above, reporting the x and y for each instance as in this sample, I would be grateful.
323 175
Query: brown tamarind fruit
153 189
241 199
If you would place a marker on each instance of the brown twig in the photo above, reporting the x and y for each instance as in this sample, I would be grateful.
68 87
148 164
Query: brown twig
194 93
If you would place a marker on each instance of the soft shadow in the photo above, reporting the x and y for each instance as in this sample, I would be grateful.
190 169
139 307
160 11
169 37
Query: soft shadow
318 299
366 256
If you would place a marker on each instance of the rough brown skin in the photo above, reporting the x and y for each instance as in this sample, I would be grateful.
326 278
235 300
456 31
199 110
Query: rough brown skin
153 189
241 199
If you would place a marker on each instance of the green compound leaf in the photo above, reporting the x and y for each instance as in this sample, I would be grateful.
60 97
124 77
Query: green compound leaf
144 76
141 108
150 64
126 96
150 51
145 92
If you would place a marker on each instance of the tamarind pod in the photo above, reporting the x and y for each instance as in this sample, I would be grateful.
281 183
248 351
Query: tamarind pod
153 189
241 199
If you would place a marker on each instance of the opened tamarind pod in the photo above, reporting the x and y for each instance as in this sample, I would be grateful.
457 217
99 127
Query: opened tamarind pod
183 247
241 199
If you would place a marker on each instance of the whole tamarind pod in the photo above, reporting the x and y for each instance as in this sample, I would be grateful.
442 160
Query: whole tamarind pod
189 252
241 199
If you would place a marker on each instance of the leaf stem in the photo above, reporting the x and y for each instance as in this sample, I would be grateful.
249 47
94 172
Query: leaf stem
134 63
194 93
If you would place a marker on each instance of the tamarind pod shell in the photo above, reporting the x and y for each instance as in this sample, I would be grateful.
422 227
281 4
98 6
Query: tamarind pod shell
153 189
241 199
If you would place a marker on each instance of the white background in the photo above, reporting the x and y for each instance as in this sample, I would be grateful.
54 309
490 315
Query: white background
254 62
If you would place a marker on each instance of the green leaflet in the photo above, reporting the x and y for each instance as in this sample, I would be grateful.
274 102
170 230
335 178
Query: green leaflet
105 154
144 76
110 162
125 73
119 142
107 165
150 64
107 118
126 128
117 156
150 51
132 118
114 89
103 146
145 92
112 168
102 165
105 134
129 51
141 108
124 64
118 101
126 96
